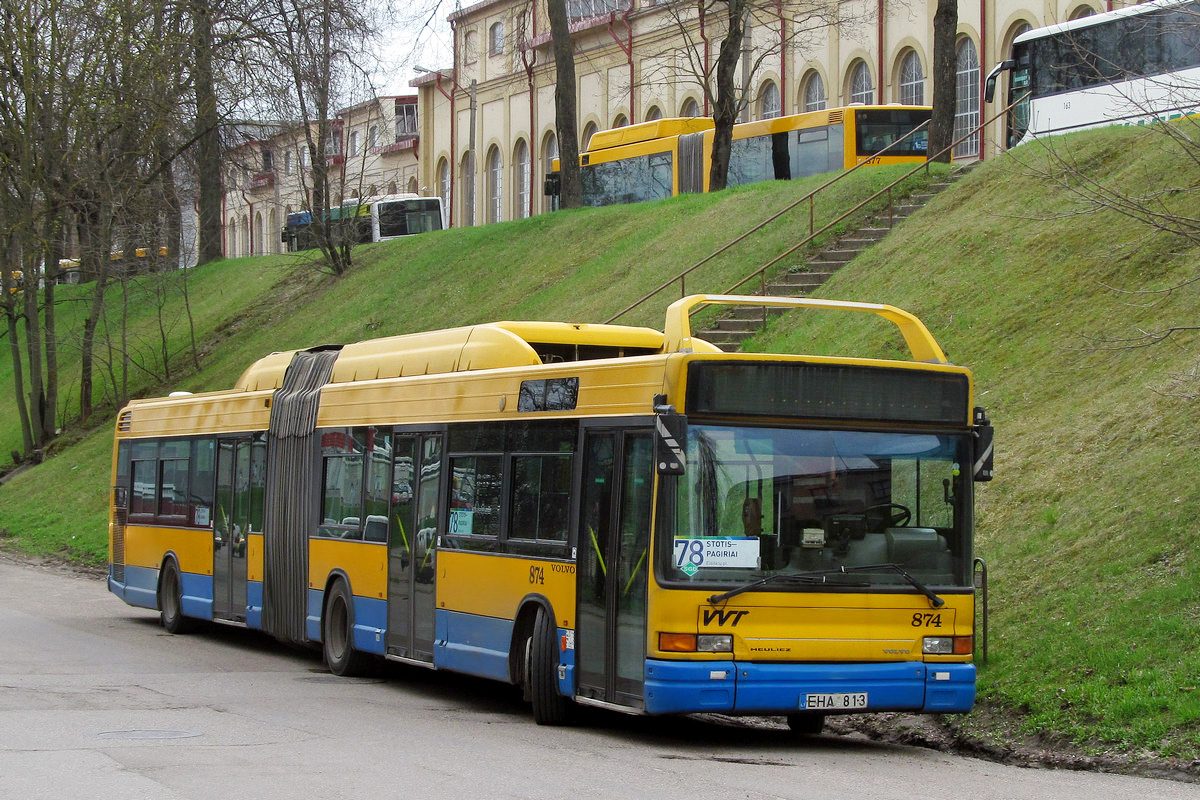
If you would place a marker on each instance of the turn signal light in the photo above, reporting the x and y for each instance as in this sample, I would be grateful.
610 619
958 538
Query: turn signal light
677 642
964 645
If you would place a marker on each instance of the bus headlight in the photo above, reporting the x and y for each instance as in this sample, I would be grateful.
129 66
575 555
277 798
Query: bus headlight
715 643
938 645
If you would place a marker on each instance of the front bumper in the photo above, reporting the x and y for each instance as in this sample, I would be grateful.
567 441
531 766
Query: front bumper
745 687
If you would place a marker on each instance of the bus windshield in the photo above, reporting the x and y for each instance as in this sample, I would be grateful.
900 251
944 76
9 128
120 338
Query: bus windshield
757 502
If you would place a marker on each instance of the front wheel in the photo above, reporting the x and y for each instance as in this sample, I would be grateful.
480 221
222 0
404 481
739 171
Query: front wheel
549 707
809 724
337 626
170 602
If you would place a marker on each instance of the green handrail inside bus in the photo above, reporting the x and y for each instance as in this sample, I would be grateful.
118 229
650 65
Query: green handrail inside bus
678 328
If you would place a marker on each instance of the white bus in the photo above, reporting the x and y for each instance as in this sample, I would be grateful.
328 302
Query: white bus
373 219
1132 66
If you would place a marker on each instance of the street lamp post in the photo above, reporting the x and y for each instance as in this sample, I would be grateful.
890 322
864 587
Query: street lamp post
471 94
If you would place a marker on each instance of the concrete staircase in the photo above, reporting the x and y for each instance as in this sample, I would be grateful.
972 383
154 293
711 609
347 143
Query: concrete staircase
742 322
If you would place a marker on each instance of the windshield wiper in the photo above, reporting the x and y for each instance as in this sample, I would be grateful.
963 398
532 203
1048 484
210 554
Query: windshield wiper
816 576
934 600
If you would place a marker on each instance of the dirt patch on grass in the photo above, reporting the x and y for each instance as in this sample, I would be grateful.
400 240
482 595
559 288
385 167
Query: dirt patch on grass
990 733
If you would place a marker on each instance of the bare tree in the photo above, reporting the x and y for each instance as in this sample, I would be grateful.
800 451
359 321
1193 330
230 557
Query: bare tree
566 117
687 58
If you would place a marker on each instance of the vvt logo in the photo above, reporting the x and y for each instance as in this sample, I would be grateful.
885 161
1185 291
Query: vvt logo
723 617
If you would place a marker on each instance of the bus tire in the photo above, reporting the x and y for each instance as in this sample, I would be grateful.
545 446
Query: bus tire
808 724
337 634
549 707
170 602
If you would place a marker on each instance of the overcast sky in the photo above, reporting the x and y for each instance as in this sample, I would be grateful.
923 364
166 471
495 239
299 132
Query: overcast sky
418 34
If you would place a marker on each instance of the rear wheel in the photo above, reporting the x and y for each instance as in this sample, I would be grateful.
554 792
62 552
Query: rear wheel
337 626
549 707
806 724
170 602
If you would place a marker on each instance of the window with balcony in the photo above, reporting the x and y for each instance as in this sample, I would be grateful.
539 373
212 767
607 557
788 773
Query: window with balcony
406 120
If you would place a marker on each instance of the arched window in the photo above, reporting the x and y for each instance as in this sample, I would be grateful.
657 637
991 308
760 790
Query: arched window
653 113
287 162
372 190
690 108
353 143
814 92
244 238
861 88
549 153
966 99
231 251
521 180
373 137
392 188
589 131
443 182
466 191
912 80
495 185
768 101
620 121
272 233
412 185
1081 12
496 39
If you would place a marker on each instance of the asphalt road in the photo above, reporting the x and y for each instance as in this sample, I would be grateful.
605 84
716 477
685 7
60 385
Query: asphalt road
96 701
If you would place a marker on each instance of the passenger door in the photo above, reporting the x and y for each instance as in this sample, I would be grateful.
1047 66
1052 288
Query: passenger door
412 539
613 561
239 475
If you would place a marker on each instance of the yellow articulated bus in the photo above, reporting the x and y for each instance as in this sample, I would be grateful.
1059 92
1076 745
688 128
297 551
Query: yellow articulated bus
667 157
604 515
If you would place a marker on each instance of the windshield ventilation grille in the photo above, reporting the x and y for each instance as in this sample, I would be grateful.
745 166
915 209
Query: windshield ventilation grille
835 117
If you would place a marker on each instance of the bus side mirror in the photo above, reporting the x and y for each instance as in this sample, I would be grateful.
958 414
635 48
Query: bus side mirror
670 439
552 184
984 451
989 89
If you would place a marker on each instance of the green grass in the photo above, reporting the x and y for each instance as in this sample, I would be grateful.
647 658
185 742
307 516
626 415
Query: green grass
1091 527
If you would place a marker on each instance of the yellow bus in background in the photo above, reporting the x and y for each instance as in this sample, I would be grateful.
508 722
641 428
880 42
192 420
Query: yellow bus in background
667 157
602 515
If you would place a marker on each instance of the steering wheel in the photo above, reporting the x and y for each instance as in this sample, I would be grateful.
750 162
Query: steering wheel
894 514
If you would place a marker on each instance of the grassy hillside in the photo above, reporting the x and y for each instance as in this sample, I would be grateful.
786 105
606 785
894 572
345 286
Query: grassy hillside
1092 526
583 265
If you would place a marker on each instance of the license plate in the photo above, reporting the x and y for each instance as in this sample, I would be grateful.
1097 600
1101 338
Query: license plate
833 702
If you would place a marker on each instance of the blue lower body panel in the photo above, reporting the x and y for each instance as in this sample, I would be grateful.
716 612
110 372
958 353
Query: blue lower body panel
197 595
254 604
566 662
370 623
675 687
473 644
139 589
312 615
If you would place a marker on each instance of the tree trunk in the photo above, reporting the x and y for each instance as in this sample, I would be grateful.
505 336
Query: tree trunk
565 116
208 135
725 107
945 78
11 316
54 251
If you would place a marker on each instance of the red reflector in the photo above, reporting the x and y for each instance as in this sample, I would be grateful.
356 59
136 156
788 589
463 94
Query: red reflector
964 645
